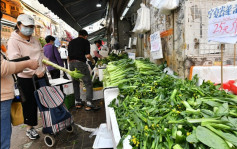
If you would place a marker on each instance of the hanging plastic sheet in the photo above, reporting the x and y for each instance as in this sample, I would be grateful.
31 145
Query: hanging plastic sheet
143 20
165 6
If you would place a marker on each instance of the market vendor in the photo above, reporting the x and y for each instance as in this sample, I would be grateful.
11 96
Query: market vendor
78 52
95 52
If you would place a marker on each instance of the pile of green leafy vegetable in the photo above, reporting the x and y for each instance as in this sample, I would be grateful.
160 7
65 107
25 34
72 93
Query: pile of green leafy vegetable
97 83
111 57
118 72
163 112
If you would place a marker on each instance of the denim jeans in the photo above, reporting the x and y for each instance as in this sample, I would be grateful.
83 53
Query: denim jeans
83 68
6 129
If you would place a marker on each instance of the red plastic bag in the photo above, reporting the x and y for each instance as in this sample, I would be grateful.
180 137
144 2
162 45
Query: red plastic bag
233 86
226 86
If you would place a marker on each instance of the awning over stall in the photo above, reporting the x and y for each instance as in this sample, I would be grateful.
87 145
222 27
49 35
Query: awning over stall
97 35
77 13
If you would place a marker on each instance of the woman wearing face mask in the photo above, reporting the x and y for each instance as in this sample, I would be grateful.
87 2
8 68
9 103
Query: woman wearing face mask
21 44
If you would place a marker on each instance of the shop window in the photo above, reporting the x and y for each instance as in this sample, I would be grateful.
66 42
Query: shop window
14 12
3 7
13 8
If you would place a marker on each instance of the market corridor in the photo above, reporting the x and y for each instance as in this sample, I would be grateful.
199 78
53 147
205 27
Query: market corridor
79 139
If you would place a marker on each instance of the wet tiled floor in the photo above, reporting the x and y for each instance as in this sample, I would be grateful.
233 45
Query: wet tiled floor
79 139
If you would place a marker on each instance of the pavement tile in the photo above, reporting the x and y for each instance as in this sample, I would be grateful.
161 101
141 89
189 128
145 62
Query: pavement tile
79 139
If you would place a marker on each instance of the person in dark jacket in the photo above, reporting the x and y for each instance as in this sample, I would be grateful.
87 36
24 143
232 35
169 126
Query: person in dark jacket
78 52
52 53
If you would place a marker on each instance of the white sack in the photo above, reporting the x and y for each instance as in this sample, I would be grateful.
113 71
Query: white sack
165 6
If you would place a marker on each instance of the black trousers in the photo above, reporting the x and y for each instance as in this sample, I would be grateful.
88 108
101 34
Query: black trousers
96 59
55 73
65 63
92 66
90 63
29 102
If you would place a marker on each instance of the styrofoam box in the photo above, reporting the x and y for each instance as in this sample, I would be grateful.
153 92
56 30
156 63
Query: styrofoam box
97 94
111 120
103 138
101 76
68 89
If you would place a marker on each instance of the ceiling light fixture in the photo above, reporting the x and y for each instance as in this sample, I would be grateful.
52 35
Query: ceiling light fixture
98 4
126 9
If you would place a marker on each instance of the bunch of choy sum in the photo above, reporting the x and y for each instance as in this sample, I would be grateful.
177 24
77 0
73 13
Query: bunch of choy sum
74 74
159 111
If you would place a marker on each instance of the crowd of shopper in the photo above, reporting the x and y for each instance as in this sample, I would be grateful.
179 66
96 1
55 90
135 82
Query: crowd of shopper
22 44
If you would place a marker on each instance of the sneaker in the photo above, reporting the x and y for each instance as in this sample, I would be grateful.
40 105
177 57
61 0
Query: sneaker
91 106
79 104
32 134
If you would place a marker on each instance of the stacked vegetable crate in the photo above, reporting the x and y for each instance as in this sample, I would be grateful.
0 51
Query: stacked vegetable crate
160 111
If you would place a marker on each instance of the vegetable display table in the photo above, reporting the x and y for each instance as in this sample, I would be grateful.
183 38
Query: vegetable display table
111 120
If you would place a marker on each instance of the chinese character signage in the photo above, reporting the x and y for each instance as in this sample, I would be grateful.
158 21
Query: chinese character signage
156 48
222 25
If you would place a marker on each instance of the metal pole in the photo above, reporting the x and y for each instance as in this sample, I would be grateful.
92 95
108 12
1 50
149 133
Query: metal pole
222 48
234 54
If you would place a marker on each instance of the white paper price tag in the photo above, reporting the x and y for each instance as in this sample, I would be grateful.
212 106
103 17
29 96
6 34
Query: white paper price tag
131 55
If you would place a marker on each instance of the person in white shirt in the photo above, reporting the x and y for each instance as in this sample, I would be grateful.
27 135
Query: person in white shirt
95 52
64 56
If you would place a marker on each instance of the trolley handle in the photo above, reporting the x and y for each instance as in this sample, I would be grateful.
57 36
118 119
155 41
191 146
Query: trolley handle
41 83
34 81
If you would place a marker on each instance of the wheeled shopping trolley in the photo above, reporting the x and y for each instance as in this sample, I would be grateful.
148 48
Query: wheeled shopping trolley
54 114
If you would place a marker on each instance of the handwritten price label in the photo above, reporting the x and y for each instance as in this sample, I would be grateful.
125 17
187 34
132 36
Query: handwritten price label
223 23
156 48
155 41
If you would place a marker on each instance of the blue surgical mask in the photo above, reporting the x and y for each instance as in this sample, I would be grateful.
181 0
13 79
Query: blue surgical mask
27 31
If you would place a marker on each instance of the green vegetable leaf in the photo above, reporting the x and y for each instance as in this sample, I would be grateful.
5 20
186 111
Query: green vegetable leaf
210 139
174 131
213 103
192 138
233 121
120 144
177 146
227 136
207 113
223 110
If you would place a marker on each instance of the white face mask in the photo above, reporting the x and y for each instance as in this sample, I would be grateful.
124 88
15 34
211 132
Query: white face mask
27 31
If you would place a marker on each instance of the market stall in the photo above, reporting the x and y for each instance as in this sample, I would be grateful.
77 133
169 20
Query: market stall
158 110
